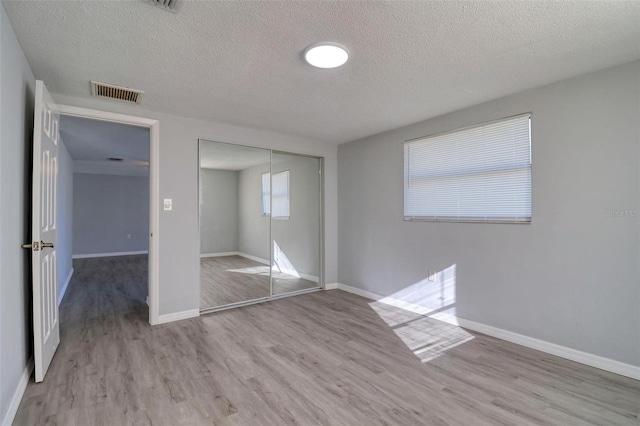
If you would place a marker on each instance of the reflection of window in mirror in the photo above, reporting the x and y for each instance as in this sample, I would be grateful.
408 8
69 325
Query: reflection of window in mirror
280 197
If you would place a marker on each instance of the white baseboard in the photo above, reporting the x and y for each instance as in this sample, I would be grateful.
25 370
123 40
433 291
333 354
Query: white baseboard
18 394
331 286
118 253
222 254
596 361
592 360
177 316
358 291
255 258
63 289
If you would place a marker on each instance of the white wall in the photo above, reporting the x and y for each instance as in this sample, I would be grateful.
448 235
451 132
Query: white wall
218 211
17 87
64 205
178 229
107 209
572 276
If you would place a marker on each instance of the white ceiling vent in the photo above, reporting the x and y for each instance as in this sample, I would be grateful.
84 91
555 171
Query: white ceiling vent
170 5
110 91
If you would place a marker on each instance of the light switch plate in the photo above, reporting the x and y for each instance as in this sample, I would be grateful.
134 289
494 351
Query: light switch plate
168 204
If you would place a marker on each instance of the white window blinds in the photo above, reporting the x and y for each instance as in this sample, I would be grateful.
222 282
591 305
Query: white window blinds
279 198
479 174
280 195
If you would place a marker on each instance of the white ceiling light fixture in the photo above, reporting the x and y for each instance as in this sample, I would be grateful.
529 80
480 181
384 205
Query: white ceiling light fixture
326 54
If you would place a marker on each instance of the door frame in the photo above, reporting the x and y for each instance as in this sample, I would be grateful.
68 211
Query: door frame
154 189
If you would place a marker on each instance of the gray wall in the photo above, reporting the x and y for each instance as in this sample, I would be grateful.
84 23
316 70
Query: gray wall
572 276
17 87
64 204
108 208
254 229
218 211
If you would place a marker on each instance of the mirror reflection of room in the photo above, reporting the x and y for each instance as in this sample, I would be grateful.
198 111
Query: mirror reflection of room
259 224
234 244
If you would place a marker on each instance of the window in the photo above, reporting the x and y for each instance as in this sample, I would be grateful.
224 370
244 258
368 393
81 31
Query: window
478 174
279 198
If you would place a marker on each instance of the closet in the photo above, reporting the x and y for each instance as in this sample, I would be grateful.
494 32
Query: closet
260 224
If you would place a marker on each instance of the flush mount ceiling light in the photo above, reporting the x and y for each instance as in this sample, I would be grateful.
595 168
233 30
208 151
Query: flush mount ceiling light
326 55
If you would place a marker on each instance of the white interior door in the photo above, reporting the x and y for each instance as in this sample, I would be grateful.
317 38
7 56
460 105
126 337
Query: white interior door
46 327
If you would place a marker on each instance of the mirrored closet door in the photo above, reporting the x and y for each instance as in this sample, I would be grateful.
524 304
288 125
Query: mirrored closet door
234 240
260 224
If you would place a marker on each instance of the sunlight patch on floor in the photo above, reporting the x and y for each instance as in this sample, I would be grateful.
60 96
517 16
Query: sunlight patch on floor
423 315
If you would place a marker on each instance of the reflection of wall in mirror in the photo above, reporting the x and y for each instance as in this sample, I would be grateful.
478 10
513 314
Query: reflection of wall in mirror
253 226
218 211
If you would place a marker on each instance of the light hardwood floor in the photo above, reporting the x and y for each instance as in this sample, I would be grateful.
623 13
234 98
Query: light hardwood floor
325 358
232 279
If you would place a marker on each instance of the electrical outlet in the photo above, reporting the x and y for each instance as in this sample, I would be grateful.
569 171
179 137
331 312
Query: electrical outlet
168 204
433 275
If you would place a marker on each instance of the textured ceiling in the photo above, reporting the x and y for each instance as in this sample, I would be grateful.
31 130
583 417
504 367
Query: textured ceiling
92 142
240 62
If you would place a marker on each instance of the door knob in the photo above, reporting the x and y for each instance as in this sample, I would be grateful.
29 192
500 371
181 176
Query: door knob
36 246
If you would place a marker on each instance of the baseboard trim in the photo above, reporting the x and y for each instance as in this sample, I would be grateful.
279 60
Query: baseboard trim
254 258
63 290
331 286
177 316
221 254
586 358
117 253
18 394
571 354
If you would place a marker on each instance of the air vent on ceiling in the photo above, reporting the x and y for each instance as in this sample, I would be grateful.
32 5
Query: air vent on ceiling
104 90
170 5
